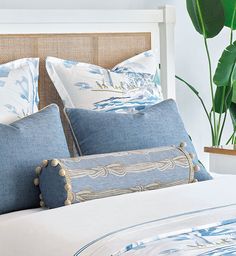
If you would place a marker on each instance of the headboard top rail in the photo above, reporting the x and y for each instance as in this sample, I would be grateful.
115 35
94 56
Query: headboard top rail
53 16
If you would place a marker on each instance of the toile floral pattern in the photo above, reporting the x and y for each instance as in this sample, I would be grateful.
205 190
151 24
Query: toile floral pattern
130 86
18 89
198 233
213 240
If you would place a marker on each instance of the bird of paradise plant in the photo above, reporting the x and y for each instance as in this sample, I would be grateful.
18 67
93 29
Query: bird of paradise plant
209 17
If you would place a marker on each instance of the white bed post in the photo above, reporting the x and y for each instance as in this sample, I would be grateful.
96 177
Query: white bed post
167 52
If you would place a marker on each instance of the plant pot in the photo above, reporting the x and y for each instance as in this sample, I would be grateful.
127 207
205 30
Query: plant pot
222 159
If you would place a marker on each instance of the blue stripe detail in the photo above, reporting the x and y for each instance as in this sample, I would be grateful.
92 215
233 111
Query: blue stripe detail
152 221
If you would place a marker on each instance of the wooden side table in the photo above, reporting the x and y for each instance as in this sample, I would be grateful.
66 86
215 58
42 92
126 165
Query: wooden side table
222 159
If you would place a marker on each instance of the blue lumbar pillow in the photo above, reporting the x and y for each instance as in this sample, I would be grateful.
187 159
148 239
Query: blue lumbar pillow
157 126
23 145
75 180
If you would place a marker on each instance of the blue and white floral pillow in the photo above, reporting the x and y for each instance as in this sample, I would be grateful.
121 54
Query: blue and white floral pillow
130 86
18 89
146 62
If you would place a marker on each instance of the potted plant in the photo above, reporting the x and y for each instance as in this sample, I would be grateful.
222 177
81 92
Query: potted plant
209 17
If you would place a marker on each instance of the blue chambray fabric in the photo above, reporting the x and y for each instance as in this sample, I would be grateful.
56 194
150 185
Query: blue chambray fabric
157 126
23 145
76 180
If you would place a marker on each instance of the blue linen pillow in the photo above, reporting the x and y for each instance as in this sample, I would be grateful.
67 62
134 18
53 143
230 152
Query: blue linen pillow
157 126
23 145
75 180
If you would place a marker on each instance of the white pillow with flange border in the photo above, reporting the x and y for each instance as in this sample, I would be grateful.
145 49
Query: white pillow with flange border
18 89
130 86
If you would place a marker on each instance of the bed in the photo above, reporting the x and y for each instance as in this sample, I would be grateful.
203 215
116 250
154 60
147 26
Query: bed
110 226
193 219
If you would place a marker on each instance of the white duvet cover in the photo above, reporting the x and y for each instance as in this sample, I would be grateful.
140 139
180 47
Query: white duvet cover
195 219
16 215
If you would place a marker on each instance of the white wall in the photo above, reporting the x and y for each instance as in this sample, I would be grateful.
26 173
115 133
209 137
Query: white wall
71 4
190 56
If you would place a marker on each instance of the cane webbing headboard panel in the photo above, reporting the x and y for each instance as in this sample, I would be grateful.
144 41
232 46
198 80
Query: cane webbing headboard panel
104 49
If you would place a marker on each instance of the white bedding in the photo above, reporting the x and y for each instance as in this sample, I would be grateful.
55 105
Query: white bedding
63 231
16 215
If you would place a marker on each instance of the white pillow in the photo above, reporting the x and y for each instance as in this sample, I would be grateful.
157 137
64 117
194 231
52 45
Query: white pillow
146 62
18 89
130 86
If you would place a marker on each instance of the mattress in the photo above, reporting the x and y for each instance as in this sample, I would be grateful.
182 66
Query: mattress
111 225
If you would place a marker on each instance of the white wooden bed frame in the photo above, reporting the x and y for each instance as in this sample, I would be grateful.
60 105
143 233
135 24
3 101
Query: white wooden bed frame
159 22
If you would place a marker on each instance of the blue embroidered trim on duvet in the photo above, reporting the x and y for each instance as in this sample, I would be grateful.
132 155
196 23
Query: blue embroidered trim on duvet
213 239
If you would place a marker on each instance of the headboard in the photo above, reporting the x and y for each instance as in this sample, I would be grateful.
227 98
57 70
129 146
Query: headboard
104 49
102 37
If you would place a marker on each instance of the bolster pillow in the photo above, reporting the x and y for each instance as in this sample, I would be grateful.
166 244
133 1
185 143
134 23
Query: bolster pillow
74 180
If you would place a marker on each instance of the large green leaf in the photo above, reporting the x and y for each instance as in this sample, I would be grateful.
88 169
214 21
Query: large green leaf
207 16
226 70
234 93
233 113
230 13
223 99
